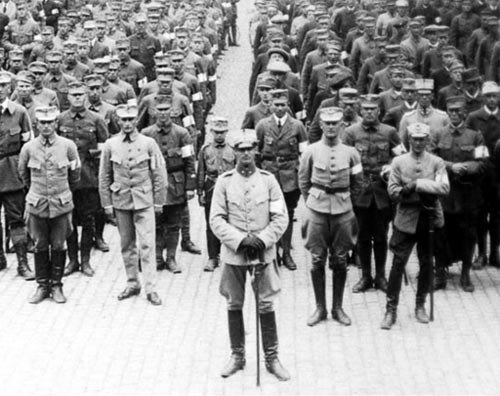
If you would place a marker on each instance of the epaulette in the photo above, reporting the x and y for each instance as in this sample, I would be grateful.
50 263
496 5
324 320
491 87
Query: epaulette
228 173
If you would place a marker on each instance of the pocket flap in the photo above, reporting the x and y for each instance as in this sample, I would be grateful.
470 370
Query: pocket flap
116 159
32 198
319 165
115 187
142 157
34 164
63 164
15 131
65 197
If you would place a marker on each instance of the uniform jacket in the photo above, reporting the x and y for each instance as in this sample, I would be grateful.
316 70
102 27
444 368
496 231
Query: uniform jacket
59 83
371 66
394 115
280 149
177 149
376 145
362 48
336 168
88 130
389 99
431 177
134 73
254 114
381 81
461 29
436 119
213 161
243 206
180 112
98 50
142 49
50 171
132 174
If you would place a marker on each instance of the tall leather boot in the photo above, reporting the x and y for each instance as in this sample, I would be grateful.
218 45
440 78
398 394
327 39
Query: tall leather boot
365 257
42 271
100 222
23 268
3 259
187 244
390 313
439 277
237 340
58 258
73 264
338 314
318 281
85 249
286 244
380 253
465 281
171 245
270 344
494 259
480 260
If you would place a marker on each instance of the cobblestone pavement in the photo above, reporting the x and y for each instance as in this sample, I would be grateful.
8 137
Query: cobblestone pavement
97 345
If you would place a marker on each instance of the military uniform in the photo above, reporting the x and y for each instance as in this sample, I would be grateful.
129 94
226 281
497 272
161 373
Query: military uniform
177 150
280 144
133 181
436 119
50 169
58 82
143 47
88 130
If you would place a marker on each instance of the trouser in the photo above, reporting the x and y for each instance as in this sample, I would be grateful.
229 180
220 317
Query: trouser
232 286
168 224
291 200
133 224
49 232
460 229
401 245
13 203
213 243
489 216
373 229
86 203
185 225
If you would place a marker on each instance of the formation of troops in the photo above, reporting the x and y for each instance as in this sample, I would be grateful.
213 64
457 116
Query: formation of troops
380 115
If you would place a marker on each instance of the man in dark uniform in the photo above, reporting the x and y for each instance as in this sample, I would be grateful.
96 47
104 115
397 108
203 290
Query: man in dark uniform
416 180
214 159
376 143
131 70
177 149
143 46
56 79
409 97
15 130
49 200
281 140
465 155
262 109
330 177
88 130
248 215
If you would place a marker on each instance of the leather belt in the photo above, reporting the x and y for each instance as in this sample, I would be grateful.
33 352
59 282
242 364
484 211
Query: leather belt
270 157
331 190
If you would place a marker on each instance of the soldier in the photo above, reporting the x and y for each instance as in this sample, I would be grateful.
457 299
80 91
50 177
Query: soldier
214 159
262 109
177 149
375 63
415 45
377 143
392 97
416 181
132 185
409 103
24 97
329 178
96 48
57 80
487 121
15 131
46 45
131 70
281 141
472 90
50 168
115 90
15 61
465 155
143 47
363 47
71 65
107 111
47 97
248 215
463 25
455 88
88 130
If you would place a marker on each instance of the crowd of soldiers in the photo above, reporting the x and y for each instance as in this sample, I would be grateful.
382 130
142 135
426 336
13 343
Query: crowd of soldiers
374 112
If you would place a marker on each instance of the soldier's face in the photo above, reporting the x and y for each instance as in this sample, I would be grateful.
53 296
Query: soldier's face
331 129
39 74
409 95
177 64
101 31
25 89
46 128
471 87
4 91
21 11
370 29
83 50
246 156
491 101
456 75
370 114
16 63
197 46
70 56
321 42
54 65
192 23
127 124
397 80
90 33
349 109
279 107
140 26
264 94
333 55
63 28
219 136
182 40
416 30
47 37
165 86
162 114
456 114
77 100
418 144
123 53
112 73
94 93
424 99
448 58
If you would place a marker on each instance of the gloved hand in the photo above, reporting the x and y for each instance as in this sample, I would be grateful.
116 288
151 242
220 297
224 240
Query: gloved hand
409 188
252 242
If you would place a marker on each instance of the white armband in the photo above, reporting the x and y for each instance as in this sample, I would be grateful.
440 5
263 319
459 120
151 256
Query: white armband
74 164
344 55
399 149
188 121
300 115
197 97
38 37
481 152
141 83
202 77
294 52
187 151
100 146
212 78
132 102
277 206
26 136
302 146
358 168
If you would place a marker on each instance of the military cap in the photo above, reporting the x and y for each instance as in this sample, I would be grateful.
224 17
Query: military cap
348 95
126 111
54 55
415 22
334 44
369 20
455 102
275 33
122 43
392 49
47 30
93 80
456 66
440 29
70 44
369 100
63 21
191 15
492 21
90 24
5 78
267 82
176 53
72 14
278 19
402 3
46 113
181 29
409 84
165 75
431 29
153 16
380 39
25 76
424 85
397 68
331 114
40 66
279 51
490 87
162 61
244 139
219 124
196 36
279 94
16 54
278 67
85 12
101 21
154 6
104 61
448 48
163 101
76 87
360 14
141 18
340 79
420 18
418 130
471 75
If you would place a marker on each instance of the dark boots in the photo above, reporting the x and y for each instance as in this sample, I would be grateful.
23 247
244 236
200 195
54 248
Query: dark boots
23 268
42 271
73 263
286 244
380 253
318 281
390 313
364 250
338 314
237 339
480 260
439 277
85 249
58 259
3 259
171 245
270 344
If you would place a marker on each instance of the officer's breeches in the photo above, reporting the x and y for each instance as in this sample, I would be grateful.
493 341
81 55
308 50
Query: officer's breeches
141 223
49 233
13 202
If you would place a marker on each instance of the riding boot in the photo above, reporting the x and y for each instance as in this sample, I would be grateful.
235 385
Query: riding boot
465 281
42 271
338 314
439 277
364 250
270 345
286 244
171 242
318 281
58 258
73 264
23 268
390 313
100 222
480 260
237 339
380 253
85 249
